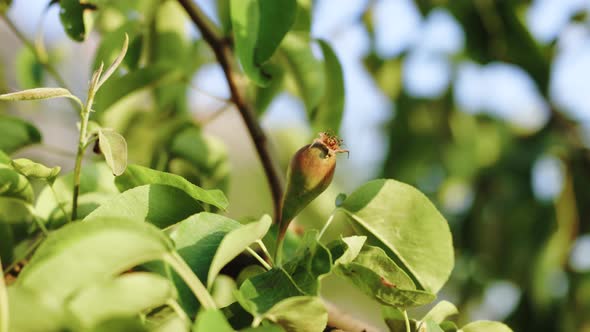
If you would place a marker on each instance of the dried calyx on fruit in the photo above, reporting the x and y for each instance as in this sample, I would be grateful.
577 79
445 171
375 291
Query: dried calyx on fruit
310 172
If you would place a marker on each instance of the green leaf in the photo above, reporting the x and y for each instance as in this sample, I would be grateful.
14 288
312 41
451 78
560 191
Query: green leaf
83 253
127 295
136 175
120 324
15 211
311 262
37 94
34 312
97 186
34 170
196 239
260 293
14 185
328 114
245 20
235 242
276 18
4 159
432 326
116 63
265 95
348 248
223 290
395 320
114 148
299 314
305 70
74 16
206 153
449 326
211 320
157 204
441 311
16 134
402 221
373 272
485 326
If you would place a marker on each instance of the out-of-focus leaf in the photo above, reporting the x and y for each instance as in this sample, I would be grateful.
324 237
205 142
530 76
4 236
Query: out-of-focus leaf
29 71
395 320
75 18
97 185
157 204
306 72
16 134
117 88
6 242
13 184
4 5
328 115
223 15
402 221
3 301
432 326
120 324
114 148
245 22
34 312
485 326
276 18
136 175
223 290
235 242
265 95
380 278
4 159
127 295
211 320
299 314
34 170
83 253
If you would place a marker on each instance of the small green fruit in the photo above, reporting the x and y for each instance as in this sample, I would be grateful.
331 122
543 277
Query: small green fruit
310 172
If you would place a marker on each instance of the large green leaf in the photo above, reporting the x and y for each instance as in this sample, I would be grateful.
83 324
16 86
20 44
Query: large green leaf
160 205
328 115
196 239
4 159
260 293
127 295
245 20
83 253
235 242
211 320
15 185
276 18
306 72
312 260
114 148
373 272
299 314
136 175
485 326
401 220
97 186
16 134
29 70
34 312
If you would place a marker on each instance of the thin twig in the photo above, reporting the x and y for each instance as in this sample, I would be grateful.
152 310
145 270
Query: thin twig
224 56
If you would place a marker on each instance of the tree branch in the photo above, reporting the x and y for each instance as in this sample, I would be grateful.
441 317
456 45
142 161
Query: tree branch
224 56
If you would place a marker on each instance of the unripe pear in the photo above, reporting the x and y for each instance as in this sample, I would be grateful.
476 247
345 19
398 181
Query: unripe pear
310 172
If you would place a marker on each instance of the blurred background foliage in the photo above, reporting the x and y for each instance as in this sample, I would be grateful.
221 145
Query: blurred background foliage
483 105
